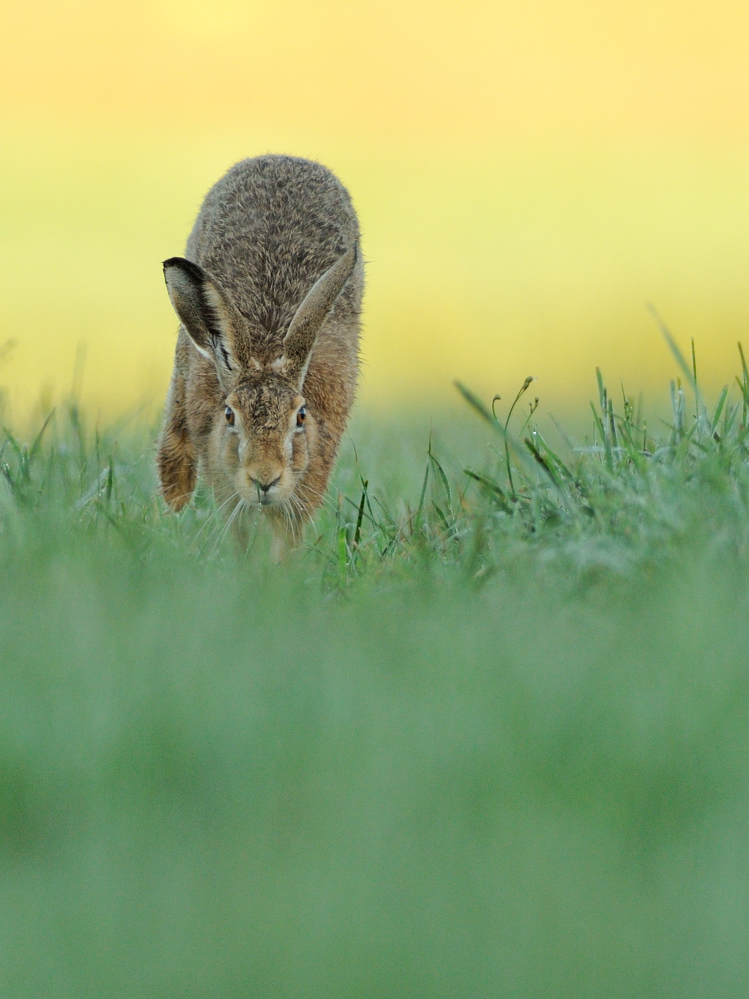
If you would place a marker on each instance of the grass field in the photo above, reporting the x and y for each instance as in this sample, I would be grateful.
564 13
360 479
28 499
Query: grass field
486 735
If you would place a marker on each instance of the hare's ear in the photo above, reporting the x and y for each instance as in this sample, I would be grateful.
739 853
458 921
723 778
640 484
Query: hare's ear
313 312
210 320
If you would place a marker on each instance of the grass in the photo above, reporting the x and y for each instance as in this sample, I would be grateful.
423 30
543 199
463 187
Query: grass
487 735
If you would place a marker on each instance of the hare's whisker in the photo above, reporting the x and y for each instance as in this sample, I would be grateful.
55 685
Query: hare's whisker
227 526
210 520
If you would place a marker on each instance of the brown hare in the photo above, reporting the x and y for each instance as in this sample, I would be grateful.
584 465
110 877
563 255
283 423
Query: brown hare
269 300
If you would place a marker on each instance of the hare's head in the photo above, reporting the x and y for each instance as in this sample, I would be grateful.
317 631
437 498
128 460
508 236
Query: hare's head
262 432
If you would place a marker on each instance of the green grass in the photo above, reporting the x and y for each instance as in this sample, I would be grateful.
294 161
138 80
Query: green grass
487 735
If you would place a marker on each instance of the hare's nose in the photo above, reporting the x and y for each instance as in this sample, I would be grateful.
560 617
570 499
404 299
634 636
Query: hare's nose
265 486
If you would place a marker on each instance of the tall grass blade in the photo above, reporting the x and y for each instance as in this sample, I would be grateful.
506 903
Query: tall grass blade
689 374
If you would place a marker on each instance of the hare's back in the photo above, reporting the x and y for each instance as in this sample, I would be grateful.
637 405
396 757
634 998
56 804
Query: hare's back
267 230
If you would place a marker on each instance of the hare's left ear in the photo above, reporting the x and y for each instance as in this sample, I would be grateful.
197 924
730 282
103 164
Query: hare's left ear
209 318
313 312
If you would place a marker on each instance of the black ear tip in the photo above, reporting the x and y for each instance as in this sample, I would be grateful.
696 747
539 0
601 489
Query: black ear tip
186 266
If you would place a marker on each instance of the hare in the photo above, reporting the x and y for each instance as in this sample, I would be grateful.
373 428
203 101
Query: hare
269 301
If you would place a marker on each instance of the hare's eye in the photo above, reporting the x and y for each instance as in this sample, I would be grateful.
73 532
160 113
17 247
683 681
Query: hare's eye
229 416
300 416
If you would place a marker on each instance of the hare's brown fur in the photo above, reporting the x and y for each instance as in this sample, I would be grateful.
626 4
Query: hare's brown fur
270 329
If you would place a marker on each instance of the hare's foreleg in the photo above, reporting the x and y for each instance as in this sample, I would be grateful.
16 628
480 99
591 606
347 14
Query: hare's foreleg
175 454
287 526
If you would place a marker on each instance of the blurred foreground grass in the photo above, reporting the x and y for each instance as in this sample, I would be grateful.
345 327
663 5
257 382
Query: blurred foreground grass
487 736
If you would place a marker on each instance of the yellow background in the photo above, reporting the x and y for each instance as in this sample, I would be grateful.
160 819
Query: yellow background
528 176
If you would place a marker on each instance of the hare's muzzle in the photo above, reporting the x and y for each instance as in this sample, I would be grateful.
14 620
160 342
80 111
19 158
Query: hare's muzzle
264 485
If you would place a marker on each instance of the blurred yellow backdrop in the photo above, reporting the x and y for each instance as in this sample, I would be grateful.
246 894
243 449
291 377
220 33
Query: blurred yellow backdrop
528 177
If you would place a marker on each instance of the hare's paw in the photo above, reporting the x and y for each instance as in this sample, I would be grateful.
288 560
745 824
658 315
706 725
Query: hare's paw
177 467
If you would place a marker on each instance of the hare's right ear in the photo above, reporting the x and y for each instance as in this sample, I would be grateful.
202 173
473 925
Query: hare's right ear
210 320
313 312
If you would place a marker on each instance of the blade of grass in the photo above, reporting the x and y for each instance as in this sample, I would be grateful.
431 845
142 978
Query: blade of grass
718 410
690 375
359 518
38 439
